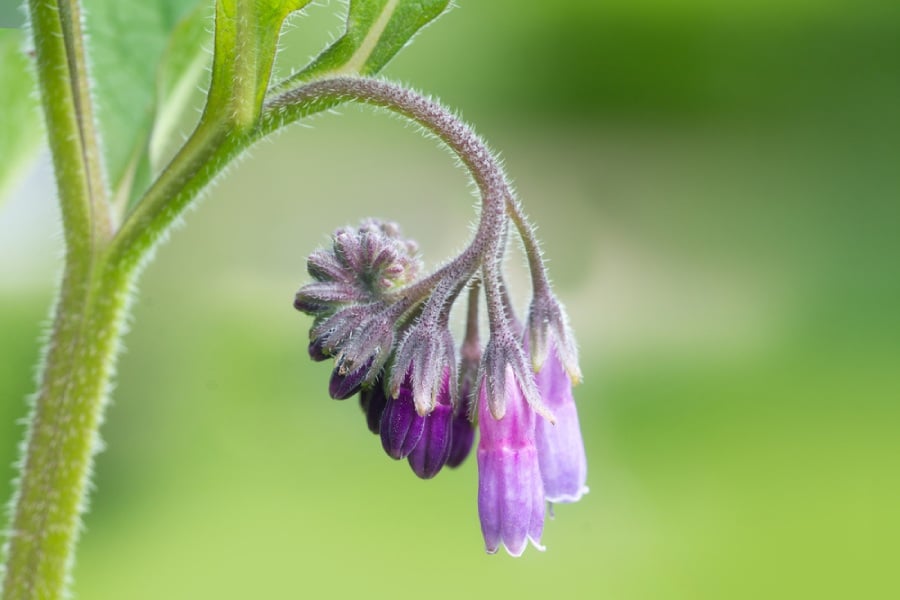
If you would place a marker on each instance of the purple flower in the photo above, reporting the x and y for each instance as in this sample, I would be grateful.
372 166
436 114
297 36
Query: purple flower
462 436
560 447
401 425
344 384
373 402
422 361
433 448
510 492
388 334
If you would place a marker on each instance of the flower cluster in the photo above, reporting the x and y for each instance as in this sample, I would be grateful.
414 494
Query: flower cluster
386 329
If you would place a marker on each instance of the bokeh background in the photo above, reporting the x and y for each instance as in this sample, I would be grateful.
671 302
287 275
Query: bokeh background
718 192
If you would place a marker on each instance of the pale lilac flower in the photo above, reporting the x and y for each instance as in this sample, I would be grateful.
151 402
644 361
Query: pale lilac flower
510 492
560 446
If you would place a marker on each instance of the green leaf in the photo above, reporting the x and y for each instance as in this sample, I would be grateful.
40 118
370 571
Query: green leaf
246 43
20 123
376 31
127 40
185 65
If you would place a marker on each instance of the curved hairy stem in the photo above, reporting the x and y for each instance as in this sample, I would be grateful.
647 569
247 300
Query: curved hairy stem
471 150
319 95
539 279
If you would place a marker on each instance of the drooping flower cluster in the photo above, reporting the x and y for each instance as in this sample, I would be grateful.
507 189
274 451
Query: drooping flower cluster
387 331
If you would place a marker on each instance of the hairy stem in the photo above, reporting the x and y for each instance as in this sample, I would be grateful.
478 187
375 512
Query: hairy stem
440 121
68 406
539 280
62 436
66 103
470 149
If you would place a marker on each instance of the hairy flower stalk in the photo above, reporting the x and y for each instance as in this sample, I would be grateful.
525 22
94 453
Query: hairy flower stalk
391 341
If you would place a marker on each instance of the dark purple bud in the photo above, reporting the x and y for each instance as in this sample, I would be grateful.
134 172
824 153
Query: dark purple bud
369 344
422 358
344 384
317 350
401 425
322 297
373 401
463 434
336 329
324 266
433 449
463 430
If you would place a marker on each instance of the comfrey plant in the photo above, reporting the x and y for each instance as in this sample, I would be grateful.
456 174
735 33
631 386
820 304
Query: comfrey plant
387 330
383 323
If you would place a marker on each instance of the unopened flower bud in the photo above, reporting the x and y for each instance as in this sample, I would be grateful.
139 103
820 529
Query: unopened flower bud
345 383
373 401
317 351
548 326
433 448
463 431
401 426
425 353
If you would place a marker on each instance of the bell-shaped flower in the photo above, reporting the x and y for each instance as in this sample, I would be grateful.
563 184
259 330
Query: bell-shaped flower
510 491
560 446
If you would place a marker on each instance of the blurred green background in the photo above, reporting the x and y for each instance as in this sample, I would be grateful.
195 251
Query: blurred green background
718 192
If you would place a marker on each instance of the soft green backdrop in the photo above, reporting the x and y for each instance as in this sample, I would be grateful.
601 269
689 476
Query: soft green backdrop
718 191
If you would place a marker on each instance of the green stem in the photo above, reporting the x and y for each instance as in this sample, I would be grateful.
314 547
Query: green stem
62 436
539 280
195 165
78 358
62 76
102 261
245 44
